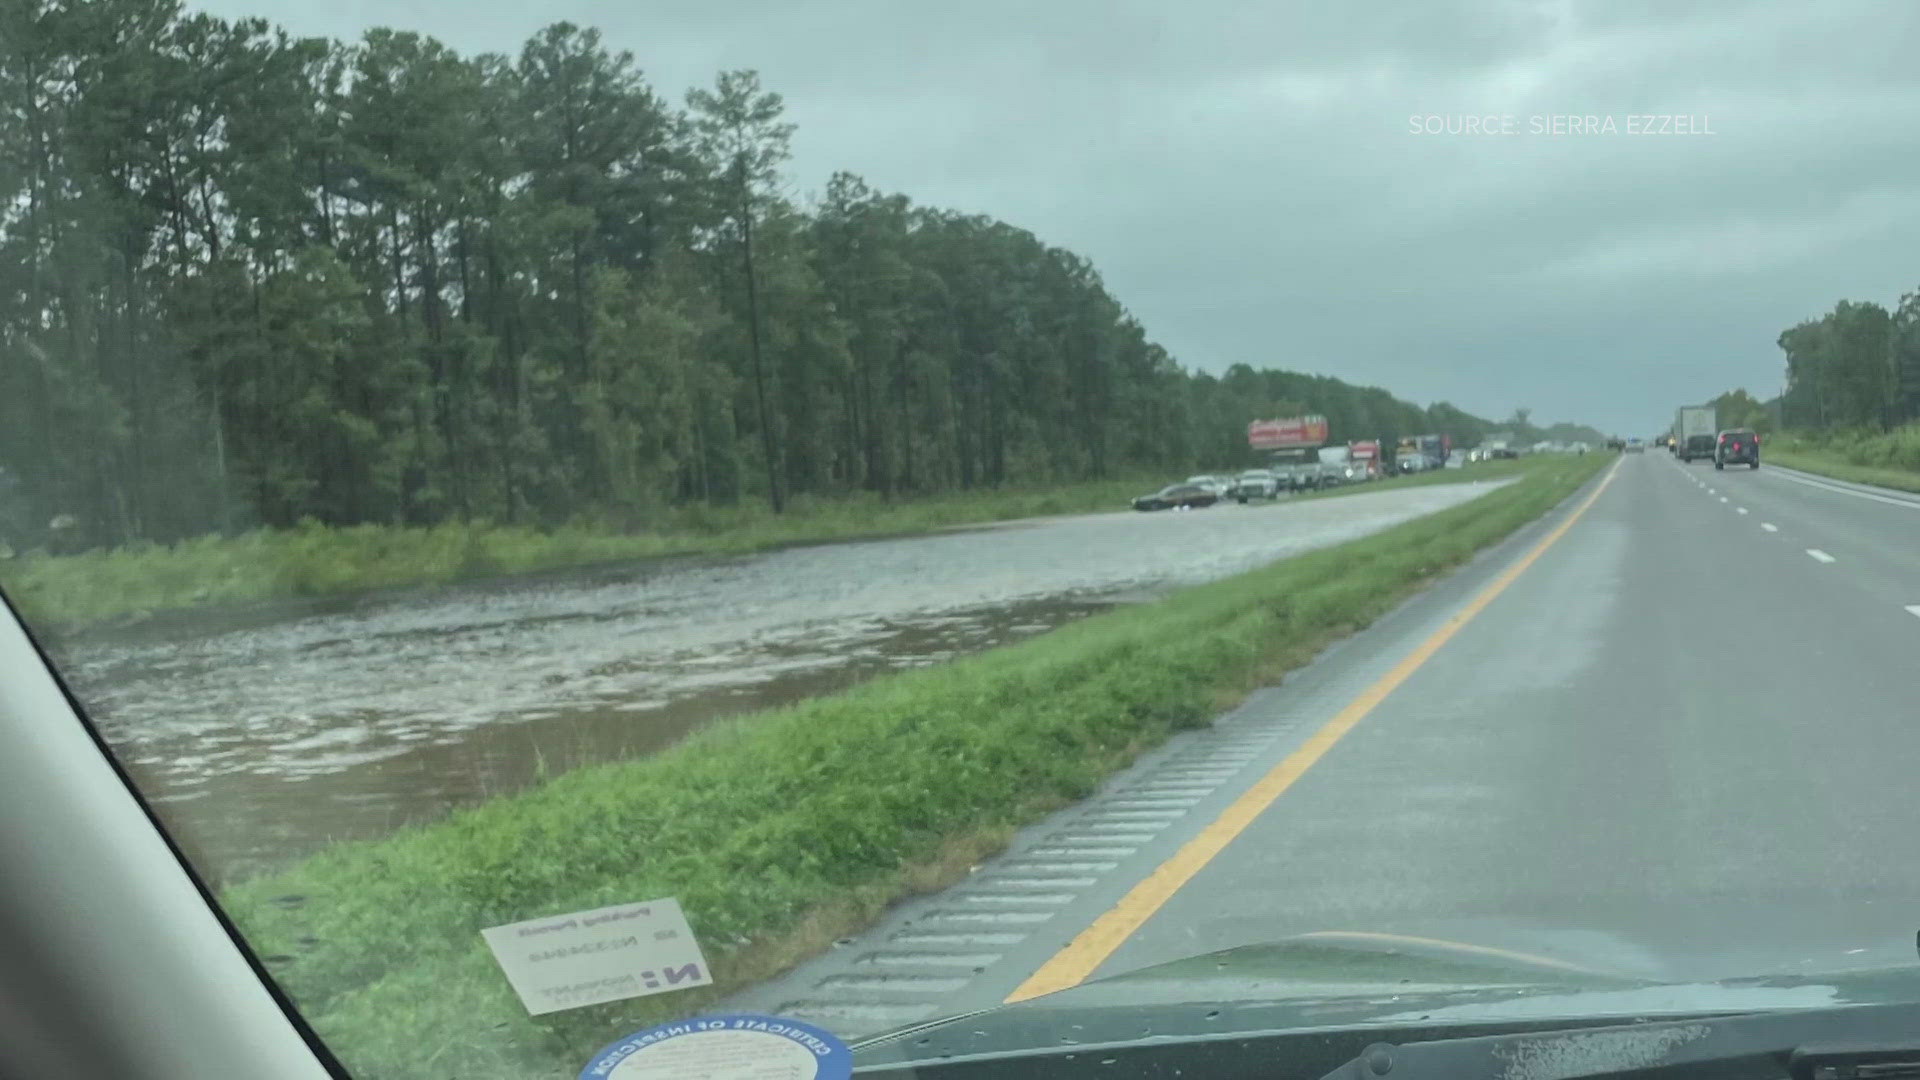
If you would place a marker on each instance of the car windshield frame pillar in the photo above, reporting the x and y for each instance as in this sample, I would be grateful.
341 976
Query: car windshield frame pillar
117 963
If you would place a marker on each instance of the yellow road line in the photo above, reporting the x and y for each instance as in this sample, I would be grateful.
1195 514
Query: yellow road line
1090 949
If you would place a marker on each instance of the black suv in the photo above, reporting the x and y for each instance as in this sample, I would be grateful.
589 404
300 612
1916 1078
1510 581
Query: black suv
1737 447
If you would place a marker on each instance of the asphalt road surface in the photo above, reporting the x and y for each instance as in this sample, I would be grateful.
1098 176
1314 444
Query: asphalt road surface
1673 729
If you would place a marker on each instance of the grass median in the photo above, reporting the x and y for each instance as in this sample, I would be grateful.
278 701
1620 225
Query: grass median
128 584
72 591
781 831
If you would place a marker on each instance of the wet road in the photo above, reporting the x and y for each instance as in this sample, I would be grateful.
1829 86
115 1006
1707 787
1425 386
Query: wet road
262 736
1679 744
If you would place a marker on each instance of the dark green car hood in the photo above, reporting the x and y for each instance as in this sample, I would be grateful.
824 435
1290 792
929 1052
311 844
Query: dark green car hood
1349 980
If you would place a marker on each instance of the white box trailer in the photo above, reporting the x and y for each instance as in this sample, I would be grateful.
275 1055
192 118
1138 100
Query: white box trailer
1694 430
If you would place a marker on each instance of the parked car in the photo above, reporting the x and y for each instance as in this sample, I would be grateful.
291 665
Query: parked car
1255 484
1737 446
1212 483
1178 497
1298 477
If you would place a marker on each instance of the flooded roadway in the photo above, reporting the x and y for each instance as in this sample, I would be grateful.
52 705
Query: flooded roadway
263 735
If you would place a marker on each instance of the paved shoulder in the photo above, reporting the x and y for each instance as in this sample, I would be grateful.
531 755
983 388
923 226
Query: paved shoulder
972 946
1659 735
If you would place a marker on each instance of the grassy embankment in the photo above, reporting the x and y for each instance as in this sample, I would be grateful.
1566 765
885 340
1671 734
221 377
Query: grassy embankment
133 582
782 831
316 560
1889 459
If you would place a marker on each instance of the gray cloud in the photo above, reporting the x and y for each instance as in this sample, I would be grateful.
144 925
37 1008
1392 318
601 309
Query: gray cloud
1245 176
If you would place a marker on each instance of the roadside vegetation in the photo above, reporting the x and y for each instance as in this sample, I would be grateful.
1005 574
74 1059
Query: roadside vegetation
137 580
523 312
1851 405
1888 459
782 831
125 584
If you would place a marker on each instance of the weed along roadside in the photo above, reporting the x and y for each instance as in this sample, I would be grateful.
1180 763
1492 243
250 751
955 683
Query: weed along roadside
1890 460
782 831
75 592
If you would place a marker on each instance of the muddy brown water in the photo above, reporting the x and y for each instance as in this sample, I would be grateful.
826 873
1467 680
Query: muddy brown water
261 735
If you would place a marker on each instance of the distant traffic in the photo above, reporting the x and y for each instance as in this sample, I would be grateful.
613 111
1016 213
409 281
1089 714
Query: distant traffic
1696 433
1299 458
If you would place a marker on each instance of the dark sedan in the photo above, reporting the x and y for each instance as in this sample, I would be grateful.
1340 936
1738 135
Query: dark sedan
1178 497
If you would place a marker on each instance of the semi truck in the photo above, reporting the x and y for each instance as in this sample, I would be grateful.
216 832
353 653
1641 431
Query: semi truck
1694 429
1336 466
1365 455
1429 451
1310 469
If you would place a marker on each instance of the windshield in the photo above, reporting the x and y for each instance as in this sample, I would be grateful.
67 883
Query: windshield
581 526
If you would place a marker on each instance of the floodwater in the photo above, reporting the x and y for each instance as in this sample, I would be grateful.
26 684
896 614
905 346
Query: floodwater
263 734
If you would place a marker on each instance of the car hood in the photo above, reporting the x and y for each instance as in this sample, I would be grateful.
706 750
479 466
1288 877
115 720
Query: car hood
1347 979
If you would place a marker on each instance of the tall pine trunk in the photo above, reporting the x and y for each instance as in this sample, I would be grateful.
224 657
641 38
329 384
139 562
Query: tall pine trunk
768 443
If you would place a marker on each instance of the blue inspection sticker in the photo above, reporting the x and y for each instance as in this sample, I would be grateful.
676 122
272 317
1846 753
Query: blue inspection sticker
738 1046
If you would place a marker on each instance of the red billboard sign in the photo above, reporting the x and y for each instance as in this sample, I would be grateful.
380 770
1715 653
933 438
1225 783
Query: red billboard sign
1280 434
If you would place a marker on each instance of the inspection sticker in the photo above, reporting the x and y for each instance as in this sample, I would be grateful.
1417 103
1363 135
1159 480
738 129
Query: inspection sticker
731 1047
589 957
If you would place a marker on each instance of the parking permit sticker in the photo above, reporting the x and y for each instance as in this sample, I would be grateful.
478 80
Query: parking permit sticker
732 1047
590 957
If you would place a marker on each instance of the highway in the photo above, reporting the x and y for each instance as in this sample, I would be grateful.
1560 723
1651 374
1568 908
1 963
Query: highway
1672 729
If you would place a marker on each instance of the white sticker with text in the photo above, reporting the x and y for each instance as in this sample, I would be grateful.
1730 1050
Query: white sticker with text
590 957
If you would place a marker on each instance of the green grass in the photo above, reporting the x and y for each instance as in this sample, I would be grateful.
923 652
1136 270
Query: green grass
782 830
1890 459
132 582
126 584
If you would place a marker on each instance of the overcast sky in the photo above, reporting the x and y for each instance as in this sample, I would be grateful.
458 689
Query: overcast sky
1248 179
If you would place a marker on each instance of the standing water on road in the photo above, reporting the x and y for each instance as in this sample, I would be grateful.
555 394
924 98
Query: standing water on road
266 736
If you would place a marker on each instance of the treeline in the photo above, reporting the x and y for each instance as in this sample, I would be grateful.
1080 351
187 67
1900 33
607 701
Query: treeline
1739 409
1855 368
250 279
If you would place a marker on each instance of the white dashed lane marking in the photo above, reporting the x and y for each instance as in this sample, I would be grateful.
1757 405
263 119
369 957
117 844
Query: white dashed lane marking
1739 509
1769 526
1819 556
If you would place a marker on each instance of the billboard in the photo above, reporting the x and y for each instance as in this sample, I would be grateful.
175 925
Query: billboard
1280 434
